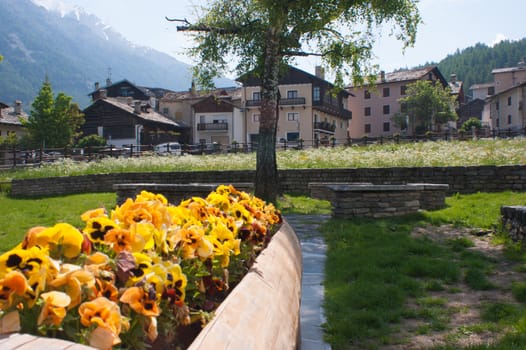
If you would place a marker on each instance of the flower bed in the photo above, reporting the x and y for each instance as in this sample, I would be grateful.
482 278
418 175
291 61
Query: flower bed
145 274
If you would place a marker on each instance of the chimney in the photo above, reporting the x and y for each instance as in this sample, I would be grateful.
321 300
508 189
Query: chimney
382 76
192 88
319 72
453 78
18 107
103 93
137 107
97 86
108 82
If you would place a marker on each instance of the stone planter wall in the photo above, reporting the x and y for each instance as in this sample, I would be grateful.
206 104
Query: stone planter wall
367 200
460 179
514 222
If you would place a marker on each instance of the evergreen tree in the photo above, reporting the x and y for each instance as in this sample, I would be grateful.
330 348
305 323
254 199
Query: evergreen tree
53 122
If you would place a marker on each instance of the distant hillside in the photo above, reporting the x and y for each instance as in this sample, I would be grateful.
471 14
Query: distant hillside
74 51
474 64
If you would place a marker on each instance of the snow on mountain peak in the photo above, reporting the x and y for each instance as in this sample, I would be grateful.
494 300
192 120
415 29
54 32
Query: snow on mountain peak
60 7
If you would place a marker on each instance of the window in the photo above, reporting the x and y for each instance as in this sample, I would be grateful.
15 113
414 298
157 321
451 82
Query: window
509 101
403 90
367 128
366 94
255 118
387 92
293 136
367 111
497 105
316 93
491 90
165 111
292 94
509 118
387 126
256 95
293 116
387 109
125 91
498 122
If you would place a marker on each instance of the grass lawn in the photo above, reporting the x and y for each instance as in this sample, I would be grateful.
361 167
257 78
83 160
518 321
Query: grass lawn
21 214
380 277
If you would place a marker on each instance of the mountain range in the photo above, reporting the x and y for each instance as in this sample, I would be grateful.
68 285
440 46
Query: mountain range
74 51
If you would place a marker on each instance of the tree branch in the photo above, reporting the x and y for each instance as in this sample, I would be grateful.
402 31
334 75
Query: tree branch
189 27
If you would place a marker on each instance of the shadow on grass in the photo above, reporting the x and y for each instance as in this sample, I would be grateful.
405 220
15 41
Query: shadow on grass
375 268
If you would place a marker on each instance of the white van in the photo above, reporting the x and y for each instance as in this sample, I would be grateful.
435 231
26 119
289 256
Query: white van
168 148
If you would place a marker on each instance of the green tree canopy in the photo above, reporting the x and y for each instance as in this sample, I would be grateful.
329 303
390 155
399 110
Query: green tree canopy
262 36
472 122
429 105
53 122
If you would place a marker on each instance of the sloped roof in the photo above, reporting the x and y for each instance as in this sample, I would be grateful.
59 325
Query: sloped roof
481 86
408 75
233 92
508 69
147 115
292 75
8 115
411 74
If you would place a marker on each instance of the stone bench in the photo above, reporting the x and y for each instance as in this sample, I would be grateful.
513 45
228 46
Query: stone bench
369 200
514 222
173 192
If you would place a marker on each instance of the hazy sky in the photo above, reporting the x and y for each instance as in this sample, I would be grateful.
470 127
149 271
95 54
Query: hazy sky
448 25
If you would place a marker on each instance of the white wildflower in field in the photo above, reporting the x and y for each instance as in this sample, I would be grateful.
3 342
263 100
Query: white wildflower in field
418 154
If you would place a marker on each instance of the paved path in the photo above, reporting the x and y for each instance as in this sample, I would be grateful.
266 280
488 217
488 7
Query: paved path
313 250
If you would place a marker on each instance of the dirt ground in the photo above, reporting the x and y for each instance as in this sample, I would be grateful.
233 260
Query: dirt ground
463 304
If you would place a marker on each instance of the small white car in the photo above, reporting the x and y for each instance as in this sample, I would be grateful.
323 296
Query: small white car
168 148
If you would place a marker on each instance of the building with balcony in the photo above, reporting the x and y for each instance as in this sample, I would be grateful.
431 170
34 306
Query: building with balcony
374 106
214 116
309 109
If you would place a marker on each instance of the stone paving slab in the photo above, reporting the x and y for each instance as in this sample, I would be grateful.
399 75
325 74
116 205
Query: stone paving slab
313 250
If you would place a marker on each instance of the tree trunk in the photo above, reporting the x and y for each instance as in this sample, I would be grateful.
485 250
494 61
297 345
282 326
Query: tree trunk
267 180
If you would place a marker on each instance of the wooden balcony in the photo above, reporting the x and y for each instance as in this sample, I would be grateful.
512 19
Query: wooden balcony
324 126
212 126
297 101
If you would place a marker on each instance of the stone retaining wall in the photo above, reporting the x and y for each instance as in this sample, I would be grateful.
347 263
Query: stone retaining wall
367 200
514 222
460 179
